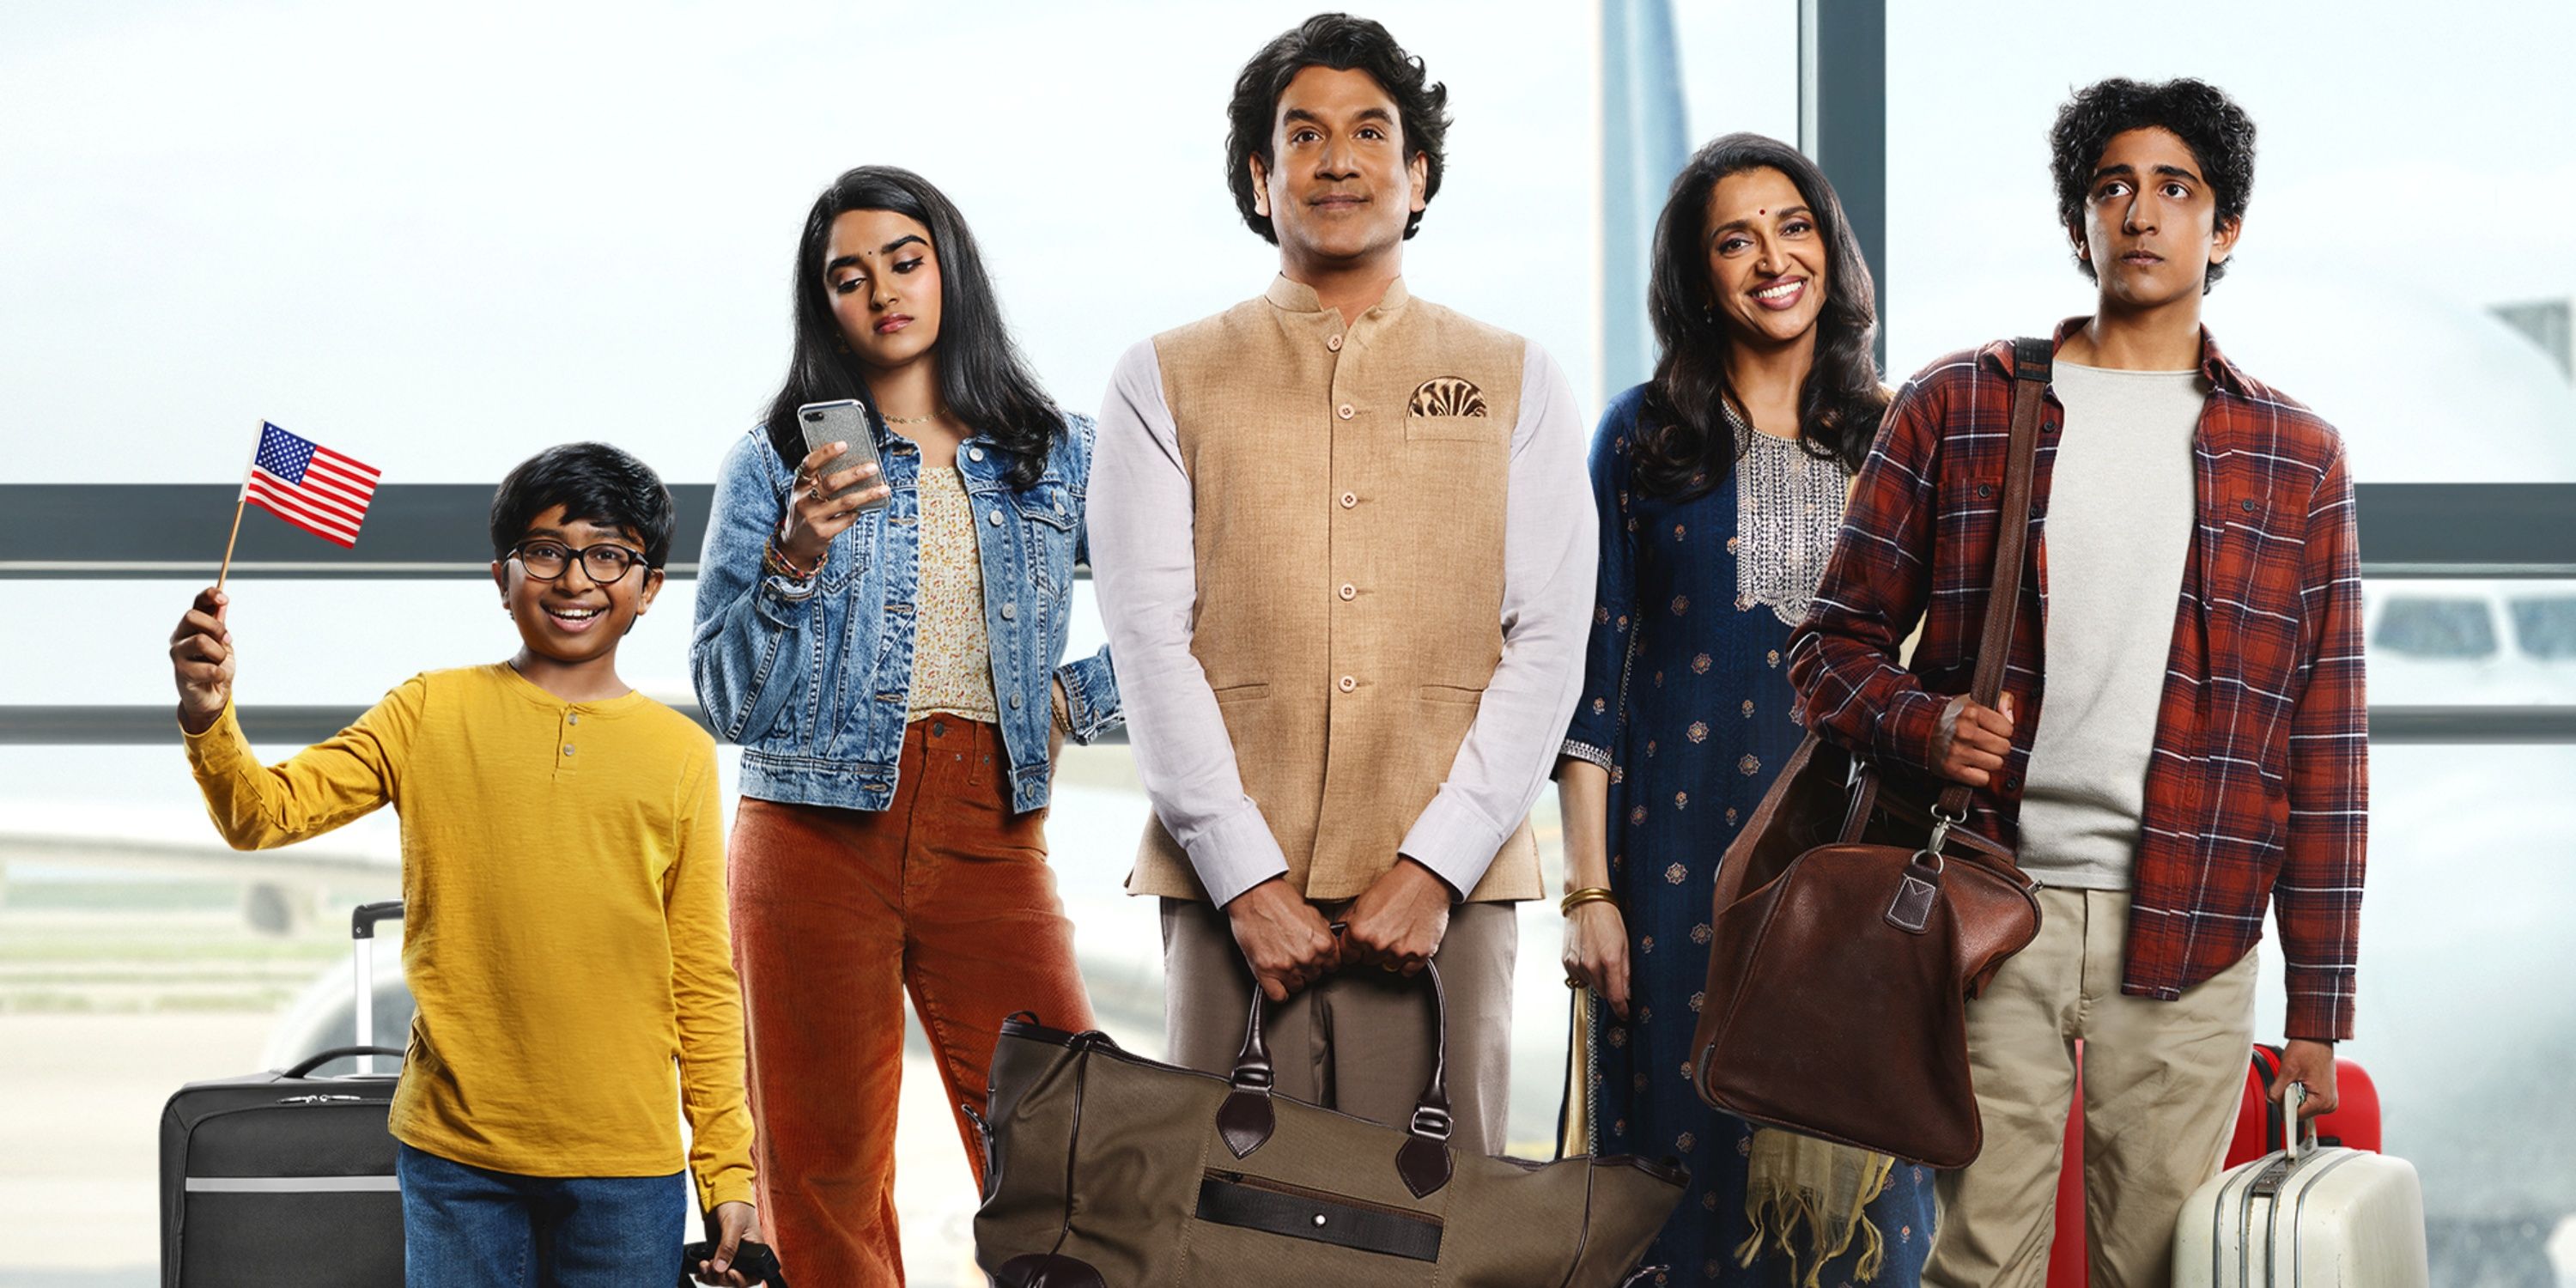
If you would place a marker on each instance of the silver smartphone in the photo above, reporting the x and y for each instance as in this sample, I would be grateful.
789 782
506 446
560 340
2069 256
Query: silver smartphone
844 421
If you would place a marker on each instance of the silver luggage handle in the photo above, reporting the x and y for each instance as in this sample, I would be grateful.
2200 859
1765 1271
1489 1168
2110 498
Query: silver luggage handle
362 930
2293 1098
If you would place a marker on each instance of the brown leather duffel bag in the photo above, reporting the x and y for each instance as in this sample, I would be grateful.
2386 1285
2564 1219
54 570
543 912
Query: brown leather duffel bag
1844 950
1104 1169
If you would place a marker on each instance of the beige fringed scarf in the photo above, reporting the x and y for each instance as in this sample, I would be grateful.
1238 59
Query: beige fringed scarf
1795 1181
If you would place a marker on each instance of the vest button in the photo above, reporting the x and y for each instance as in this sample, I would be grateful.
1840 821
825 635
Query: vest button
1334 344
1350 499
1345 411
1349 591
1347 683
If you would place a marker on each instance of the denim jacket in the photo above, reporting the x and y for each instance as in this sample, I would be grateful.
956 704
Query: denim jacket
814 678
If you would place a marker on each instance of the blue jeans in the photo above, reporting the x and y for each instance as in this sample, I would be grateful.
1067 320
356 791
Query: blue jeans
468 1226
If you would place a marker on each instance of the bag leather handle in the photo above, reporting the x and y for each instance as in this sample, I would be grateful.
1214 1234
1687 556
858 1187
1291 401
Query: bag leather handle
1245 1120
2032 360
751 1258
320 1058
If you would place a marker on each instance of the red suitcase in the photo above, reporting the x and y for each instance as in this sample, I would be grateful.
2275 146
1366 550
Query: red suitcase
2354 1124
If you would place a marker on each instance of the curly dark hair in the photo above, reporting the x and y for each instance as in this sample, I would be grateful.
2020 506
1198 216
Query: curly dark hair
594 483
1342 43
2218 132
1685 447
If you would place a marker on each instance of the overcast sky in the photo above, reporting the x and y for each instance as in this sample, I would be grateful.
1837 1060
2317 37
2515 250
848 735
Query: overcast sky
441 237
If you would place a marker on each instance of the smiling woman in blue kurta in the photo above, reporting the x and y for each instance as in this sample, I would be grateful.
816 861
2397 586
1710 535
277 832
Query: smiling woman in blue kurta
1717 522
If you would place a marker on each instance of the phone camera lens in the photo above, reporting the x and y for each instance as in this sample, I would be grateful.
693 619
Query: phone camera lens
815 416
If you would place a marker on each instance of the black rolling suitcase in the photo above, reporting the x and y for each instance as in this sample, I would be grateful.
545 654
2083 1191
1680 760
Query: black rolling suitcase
281 1179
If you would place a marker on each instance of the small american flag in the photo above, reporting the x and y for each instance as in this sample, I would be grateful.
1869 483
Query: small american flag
309 485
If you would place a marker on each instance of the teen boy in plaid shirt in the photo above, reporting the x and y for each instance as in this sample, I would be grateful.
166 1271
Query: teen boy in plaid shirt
2192 618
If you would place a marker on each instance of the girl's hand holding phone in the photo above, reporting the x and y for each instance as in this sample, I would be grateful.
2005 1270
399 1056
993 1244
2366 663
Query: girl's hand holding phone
815 514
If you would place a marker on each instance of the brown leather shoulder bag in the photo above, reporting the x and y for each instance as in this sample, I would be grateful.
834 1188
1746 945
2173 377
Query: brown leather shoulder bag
1844 951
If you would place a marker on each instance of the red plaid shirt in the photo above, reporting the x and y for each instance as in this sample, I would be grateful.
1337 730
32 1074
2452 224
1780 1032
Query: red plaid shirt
2258 785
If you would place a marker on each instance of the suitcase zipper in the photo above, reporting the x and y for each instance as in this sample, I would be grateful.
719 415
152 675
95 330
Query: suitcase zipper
317 1100
1320 1196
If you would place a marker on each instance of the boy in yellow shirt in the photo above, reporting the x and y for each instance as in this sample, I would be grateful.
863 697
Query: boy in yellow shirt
564 902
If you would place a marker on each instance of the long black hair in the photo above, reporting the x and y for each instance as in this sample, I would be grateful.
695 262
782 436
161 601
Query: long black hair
982 378
1684 446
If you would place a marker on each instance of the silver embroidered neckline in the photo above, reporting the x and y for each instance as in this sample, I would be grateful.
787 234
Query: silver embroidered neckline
1788 509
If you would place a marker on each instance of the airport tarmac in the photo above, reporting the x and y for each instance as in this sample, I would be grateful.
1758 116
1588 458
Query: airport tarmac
111 1000
81 1126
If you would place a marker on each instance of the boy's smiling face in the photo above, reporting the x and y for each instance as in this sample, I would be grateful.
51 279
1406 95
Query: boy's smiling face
574 618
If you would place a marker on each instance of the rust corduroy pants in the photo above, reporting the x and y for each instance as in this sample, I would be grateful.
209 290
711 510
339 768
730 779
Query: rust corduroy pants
836 914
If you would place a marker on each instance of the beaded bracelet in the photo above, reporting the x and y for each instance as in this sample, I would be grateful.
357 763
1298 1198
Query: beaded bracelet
777 563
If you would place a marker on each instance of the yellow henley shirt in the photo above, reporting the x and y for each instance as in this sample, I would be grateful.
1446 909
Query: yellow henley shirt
564 919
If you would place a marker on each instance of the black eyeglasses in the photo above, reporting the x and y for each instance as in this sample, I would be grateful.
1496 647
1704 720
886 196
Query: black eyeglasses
546 560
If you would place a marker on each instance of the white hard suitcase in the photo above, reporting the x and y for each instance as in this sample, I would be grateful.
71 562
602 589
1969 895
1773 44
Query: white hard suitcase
2305 1217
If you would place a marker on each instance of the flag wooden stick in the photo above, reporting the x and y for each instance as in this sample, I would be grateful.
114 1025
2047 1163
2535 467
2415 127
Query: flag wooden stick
226 570
240 499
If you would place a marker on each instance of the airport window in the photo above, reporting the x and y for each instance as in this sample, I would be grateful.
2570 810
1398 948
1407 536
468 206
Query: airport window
2435 376
423 278
424 272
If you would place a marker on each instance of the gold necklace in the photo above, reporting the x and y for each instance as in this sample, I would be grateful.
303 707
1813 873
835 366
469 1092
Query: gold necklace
909 420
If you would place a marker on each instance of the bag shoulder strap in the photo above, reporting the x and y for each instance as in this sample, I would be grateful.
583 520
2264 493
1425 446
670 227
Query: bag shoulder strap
1576 1056
2032 359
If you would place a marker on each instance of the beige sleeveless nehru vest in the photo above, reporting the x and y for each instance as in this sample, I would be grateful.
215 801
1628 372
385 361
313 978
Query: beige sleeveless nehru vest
1349 488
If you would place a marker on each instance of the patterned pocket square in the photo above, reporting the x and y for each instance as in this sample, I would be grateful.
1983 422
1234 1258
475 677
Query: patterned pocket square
1447 396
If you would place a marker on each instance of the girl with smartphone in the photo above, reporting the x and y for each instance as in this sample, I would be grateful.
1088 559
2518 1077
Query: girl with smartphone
880 625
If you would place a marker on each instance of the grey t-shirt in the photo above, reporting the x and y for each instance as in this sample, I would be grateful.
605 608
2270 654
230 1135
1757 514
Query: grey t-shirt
2120 514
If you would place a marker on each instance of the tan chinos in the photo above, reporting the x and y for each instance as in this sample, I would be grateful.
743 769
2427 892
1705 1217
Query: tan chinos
2162 1081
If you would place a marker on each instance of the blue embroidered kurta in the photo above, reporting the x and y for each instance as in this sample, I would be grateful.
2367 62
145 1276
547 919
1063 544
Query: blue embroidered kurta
1686 703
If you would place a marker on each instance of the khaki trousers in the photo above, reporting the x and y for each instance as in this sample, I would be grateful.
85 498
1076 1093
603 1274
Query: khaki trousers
1361 1040
2162 1081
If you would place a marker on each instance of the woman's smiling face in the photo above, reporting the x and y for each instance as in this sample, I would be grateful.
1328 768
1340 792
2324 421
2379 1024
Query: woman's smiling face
1766 260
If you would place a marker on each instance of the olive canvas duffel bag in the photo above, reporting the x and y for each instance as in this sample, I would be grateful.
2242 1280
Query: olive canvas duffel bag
1104 1169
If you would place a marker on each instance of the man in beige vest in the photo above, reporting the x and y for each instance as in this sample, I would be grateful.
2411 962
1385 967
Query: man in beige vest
1345 556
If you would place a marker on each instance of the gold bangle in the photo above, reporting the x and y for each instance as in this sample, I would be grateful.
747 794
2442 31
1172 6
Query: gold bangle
1588 894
